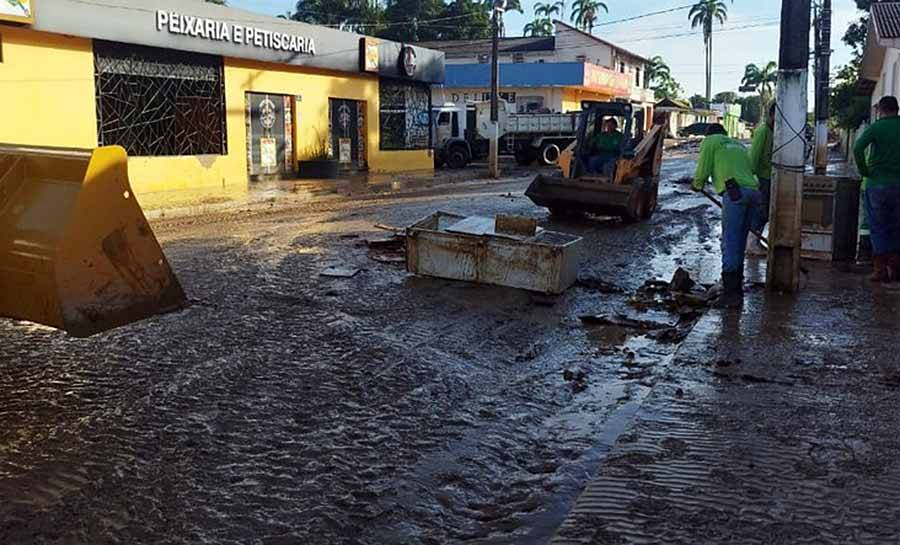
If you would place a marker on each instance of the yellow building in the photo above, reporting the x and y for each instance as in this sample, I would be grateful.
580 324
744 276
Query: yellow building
208 97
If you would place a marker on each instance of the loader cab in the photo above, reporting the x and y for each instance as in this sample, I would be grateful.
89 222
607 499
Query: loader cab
608 131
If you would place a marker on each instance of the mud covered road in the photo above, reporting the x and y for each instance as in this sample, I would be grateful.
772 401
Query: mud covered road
284 407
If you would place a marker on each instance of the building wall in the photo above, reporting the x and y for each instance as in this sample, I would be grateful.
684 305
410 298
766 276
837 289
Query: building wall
47 84
49 100
557 99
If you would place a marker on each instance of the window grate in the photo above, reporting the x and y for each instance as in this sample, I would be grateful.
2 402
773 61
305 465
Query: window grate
159 102
405 115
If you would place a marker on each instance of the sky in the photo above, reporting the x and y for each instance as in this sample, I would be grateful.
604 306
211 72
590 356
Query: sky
749 36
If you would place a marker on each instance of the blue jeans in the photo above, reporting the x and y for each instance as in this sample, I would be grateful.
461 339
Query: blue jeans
762 216
737 219
600 164
883 216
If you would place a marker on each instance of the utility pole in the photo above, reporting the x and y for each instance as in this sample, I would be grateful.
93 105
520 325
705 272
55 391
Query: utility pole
494 129
823 85
790 149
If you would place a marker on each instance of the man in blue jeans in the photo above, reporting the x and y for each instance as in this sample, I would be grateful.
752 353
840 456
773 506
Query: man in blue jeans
881 169
727 162
761 161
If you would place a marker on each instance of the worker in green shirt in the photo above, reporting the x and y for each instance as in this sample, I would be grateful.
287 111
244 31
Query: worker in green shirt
727 162
761 161
882 198
605 147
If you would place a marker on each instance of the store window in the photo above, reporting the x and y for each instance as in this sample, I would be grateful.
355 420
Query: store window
580 58
518 58
405 115
159 102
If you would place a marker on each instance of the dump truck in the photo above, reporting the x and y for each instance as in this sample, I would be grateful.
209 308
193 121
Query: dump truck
76 252
628 184
461 134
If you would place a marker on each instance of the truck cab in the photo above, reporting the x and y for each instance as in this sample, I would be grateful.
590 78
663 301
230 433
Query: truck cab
451 135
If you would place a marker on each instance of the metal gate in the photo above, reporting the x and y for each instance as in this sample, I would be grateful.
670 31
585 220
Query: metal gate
347 132
269 134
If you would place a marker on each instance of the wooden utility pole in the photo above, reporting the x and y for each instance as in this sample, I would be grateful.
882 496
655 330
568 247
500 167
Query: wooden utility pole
790 148
494 129
823 85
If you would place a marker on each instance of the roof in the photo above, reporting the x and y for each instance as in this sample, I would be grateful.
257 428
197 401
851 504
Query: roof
886 16
467 48
669 102
507 45
571 28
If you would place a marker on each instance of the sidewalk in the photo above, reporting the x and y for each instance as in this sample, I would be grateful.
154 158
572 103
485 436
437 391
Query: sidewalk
777 424
364 185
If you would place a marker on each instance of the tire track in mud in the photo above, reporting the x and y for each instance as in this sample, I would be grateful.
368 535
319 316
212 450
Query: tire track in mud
283 407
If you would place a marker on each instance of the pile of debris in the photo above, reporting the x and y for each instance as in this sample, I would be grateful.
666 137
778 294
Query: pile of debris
682 295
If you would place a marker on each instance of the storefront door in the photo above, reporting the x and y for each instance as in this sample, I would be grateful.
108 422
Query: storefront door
269 134
345 133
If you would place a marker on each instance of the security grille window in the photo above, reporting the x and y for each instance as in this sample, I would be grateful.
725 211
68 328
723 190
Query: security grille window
405 115
518 58
159 102
580 58
482 59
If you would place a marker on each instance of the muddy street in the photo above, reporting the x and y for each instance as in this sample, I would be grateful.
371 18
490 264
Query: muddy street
283 406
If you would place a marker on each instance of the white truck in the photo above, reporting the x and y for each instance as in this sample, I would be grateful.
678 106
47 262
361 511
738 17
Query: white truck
461 134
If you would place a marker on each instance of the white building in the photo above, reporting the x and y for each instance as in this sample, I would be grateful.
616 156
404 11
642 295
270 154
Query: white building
544 73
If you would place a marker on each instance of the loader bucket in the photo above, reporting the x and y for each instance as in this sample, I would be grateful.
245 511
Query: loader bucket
632 202
76 251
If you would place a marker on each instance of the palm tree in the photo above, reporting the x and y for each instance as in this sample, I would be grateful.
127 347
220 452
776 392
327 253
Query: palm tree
541 26
657 71
511 5
550 8
764 79
584 13
705 14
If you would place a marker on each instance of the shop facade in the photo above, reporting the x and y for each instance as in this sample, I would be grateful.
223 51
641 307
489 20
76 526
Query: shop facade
204 96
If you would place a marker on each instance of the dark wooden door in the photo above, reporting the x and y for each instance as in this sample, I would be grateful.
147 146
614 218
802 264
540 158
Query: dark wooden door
345 132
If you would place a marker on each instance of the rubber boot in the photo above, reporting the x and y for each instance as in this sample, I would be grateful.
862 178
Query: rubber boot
880 269
732 291
864 253
893 267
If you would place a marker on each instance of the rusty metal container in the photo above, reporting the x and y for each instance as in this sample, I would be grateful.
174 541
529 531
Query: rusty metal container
472 249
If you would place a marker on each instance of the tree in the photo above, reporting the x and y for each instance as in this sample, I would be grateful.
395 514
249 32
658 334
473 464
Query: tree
699 102
656 70
750 108
550 9
764 80
539 27
705 14
585 12
726 97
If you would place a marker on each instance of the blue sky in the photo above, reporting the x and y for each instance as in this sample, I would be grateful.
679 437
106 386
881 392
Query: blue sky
749 36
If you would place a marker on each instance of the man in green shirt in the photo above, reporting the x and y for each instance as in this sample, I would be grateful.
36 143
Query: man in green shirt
882 197
761 161
605 147
726 161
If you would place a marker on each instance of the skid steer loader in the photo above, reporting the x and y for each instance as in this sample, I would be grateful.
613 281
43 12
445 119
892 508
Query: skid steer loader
628 184
76 252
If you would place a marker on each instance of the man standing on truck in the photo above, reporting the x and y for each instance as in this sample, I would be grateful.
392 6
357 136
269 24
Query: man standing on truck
761 161
727 162
881 170
605 147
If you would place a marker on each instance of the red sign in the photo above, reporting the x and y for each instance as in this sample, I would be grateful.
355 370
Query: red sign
604 80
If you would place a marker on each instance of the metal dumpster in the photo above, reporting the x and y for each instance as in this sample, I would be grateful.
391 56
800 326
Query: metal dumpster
445 245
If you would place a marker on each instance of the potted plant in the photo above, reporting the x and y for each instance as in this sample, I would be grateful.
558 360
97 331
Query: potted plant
318 162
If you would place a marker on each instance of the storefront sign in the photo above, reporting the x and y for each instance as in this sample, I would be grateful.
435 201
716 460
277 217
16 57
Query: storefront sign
19 11
368 53
268 153
345 150
220 31
408 61
604 80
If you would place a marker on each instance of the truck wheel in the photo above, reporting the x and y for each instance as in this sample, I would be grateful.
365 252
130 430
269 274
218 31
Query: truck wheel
550 154
457 157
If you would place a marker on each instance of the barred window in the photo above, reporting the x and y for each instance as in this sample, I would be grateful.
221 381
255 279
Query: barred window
159 102
405 115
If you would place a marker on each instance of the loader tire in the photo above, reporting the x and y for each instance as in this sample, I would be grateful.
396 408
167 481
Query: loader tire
651 200
634 210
